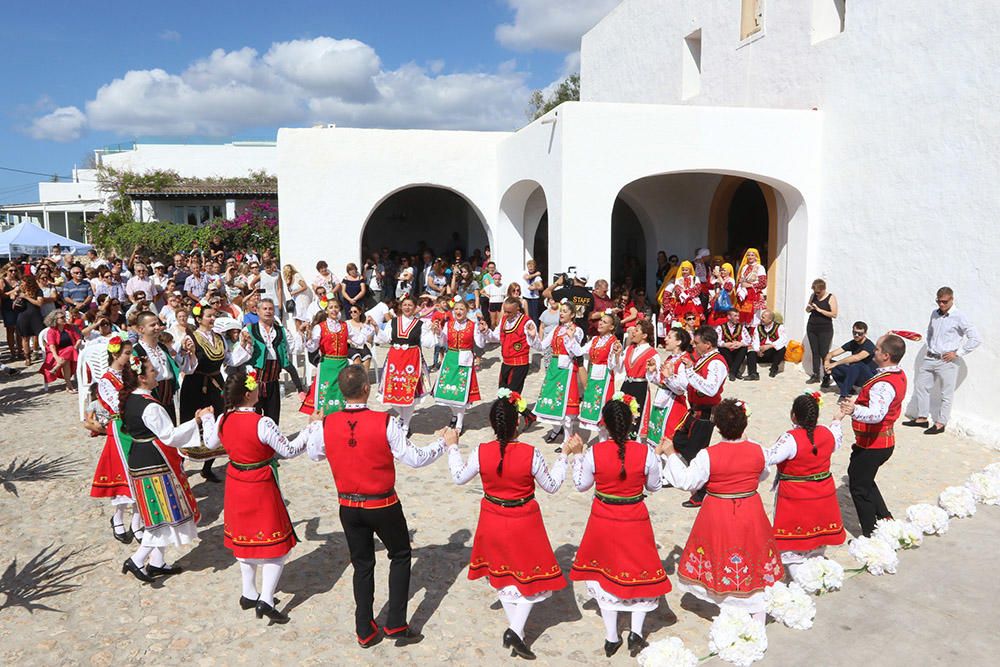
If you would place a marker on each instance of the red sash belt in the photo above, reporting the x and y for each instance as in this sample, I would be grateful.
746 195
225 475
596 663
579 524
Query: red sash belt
368 501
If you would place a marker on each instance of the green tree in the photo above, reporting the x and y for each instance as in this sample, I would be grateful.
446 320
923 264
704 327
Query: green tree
568 91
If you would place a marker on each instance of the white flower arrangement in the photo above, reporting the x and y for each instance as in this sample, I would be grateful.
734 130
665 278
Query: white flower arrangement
898 534
737 638
876 555
993 470
791 605
932 520
820 575
958 501
669 652
985 488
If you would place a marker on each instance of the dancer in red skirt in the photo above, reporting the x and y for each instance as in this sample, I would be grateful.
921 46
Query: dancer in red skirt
256 523
111 477
730 557
600 386
511 546
806 512
669 405
457 385
404 379
617 555
640 365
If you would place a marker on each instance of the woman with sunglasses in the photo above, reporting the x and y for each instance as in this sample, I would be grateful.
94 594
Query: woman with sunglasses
359 335
9 284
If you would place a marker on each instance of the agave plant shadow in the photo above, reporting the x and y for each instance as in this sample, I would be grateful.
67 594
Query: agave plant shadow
35 470
15 400
48 574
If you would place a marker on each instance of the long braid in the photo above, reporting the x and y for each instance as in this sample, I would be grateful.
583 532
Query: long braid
503 419
805 409
618 421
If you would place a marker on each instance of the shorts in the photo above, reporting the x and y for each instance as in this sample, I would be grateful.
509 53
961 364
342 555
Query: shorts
362 353
495 307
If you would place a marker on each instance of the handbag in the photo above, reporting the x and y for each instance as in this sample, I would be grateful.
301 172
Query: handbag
723 304
290 306
315 357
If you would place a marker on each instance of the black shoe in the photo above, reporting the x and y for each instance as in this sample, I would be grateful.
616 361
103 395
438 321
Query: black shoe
264 609
934 430
165 571
208 474
405 637
732 378
454 420
247 603
813 379
516 645
753 378
553 435
827 381
129 566
124 538
918 423
374 638
610 648
773 372
689 503
635 644
10 371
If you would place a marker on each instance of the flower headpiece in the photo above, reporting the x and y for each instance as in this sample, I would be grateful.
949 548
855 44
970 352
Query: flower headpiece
513 398
323 303
251 382
742 405
135 363
115 344
451 303
196 311
816 396
629 400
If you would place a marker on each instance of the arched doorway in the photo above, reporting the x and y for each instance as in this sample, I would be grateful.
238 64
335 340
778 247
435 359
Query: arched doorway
744 214
628 247
423 217
540 246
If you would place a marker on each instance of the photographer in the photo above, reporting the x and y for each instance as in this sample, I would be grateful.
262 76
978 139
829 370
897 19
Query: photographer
572 286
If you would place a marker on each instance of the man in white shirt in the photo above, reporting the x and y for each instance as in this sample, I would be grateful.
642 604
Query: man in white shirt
950 335
735 338
769 343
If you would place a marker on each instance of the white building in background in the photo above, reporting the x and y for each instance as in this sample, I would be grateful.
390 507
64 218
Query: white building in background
64 207
852 141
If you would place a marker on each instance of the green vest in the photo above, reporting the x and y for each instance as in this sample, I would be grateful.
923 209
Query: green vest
259 355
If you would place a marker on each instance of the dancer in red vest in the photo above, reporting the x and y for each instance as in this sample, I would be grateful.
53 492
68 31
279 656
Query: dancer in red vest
559 394
730 558
806 512
111 475
617 555
255 520
705 378
516 334
640 364
330 336
511 546
457 385
873 414
669 405
361 445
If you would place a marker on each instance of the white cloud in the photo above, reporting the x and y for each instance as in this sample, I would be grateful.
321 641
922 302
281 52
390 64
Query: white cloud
295 83
63 124
552 25
170 36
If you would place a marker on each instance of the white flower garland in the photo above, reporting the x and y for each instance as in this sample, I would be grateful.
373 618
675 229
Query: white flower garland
985 487
898 534
820 575
874 554
737 638
669 652
932 520
791 605
958 501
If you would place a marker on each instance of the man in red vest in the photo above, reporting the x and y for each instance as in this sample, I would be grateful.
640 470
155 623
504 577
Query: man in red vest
361 446
873 413
514 333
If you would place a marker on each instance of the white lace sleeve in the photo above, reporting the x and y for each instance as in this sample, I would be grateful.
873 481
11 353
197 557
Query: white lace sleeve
837 429
463 471
315 445
548 479
158 421
271 435
782 450
583 471
312 343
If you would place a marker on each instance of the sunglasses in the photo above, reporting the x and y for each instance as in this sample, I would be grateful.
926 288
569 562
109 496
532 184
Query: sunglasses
943 300
859 333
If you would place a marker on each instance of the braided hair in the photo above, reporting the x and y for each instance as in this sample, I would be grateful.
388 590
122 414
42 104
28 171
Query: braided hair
805 412
503 419
618 420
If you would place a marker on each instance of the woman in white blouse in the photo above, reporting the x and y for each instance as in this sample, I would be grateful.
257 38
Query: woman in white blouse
359 335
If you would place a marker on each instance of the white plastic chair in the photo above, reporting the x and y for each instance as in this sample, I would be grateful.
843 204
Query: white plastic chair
92 365
44 349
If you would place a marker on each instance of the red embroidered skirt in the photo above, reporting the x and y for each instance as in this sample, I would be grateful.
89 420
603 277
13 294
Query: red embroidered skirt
110 479
807 515
512 548
256 522
618 551
678 411
402 376
731 548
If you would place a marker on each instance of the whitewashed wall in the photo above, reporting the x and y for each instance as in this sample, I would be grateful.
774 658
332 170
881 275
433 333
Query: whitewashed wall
193 160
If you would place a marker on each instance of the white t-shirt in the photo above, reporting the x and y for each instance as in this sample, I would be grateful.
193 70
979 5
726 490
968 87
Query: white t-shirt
496 293
269 284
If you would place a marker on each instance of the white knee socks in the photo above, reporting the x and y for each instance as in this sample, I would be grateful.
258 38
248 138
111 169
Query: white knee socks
140 556
610 617
249 574
118 520
459 417
156 558
517 615
137 525
638 618
270 573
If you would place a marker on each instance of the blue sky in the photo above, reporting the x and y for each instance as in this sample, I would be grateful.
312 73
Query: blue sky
84 75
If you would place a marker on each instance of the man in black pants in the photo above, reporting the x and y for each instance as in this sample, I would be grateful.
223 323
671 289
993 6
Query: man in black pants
769 343
360 445
735 338
269 355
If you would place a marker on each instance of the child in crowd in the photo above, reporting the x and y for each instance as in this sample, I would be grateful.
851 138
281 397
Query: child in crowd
440 316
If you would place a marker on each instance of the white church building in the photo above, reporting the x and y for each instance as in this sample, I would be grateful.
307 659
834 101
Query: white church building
853 141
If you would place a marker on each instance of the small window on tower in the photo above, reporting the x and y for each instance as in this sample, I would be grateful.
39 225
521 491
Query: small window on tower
751 18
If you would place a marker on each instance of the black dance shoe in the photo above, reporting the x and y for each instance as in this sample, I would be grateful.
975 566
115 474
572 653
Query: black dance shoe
610 648
690 503
516 645
124 538
247 603
773 372
405 637
827 381
454 420
753 377
635 644
129 566
165 571
264 609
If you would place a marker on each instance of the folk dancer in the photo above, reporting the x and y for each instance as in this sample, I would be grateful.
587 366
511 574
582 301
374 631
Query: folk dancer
723 294
332 338
160 488
769 342
516 333
669 406
735 338
873 414
360 445
751 289
511 548
730 558
457 385
600 385
165 362
686 291
404 379
806 512
256 525
111 475
617 555
559 396
705 377
640 364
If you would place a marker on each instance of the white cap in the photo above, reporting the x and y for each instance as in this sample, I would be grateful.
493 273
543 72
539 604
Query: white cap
582 273
156 265
224 324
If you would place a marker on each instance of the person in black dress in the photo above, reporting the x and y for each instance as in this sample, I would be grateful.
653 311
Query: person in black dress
822 309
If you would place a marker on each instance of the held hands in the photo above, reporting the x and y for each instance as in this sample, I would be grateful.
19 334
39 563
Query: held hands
449 435
846 407
665 448
188 345
574 445
204 411
245 339
651 365
616 349
482 326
